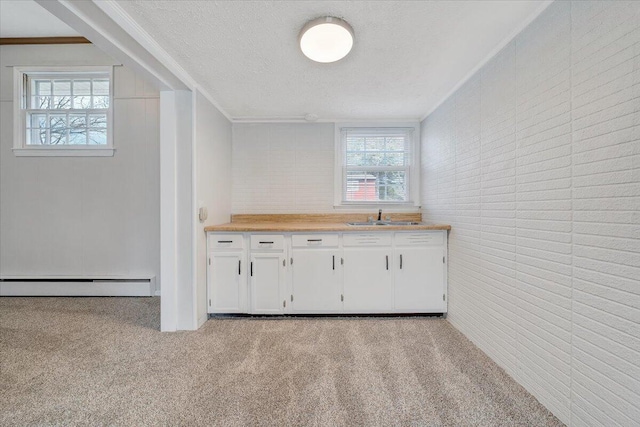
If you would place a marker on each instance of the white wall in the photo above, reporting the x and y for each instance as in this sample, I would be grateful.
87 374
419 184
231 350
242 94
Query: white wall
283 167
535 162
213 185
85 215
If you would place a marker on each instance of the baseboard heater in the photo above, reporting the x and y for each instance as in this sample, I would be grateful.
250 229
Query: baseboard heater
78 286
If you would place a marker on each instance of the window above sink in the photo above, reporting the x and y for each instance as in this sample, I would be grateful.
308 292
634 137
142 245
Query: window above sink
375 165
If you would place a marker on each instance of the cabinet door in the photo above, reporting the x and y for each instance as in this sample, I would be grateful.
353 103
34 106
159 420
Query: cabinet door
368 280
227 283
316 281
267 283
419 279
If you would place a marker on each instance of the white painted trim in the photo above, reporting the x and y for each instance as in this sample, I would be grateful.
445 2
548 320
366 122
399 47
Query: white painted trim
301 119
202 320
112 9
95 288
168 207
20 147
63 152
91 21
543 5
194 209
158 293
414 181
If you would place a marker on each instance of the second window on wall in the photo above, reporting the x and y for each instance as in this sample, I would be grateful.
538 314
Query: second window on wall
376 165
63 111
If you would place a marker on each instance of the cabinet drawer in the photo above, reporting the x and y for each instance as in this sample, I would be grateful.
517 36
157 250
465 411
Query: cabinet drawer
267 241
366 239
225 241
424 238
314 240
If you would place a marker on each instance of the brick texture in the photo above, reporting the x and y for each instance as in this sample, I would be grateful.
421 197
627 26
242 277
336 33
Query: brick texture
535 162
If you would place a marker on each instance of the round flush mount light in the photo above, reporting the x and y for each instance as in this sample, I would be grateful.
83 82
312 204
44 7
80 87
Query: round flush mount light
326 39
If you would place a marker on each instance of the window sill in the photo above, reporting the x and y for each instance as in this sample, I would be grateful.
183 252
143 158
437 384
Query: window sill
63 152
408 206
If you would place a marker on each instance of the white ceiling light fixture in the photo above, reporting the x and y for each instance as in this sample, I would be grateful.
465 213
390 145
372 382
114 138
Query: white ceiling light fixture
326 39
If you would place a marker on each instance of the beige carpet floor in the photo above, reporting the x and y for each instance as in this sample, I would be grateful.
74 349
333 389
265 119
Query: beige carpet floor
103 361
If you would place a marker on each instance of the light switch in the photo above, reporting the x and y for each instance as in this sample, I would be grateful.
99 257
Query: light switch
203 213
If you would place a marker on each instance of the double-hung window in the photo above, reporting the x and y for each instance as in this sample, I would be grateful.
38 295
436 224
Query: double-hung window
377 165
63 112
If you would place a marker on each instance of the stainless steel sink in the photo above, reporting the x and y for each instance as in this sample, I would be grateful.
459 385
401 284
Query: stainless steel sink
368 224
383 223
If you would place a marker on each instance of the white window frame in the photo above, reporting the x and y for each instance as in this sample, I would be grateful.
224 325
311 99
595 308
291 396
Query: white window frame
20 146
413 182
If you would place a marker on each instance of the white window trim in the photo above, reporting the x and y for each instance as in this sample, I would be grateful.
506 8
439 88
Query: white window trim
414 177
20 147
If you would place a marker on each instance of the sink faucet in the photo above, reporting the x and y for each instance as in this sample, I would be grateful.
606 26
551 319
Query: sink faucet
379 214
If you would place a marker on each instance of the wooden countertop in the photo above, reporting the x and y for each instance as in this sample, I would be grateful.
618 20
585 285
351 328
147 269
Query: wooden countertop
318 223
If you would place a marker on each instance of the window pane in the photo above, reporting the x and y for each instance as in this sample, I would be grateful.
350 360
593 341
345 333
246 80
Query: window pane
101 102
58 136
81 102
394 159
82 87
77 137
61 102
361 186
376 186
58 121
36 136
38 121
98 136
374 159
101 87
42 87
375 143
77 121
62 87
97 120
355 159
40 102
395 144
355 144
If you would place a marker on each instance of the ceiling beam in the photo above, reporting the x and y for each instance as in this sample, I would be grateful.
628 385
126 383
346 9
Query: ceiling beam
42 40
90 20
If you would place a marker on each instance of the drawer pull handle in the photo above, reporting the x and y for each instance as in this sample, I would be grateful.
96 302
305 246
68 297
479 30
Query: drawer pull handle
314 240
239 263
387 257
266 243
225 241
400 261
333 262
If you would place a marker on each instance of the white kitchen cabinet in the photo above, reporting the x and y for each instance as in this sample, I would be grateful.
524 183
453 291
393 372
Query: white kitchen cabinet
368 273
316 274
350 272
419 273
267 275
227 282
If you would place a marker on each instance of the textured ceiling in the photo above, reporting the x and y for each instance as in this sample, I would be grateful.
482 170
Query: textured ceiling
26 18
407 56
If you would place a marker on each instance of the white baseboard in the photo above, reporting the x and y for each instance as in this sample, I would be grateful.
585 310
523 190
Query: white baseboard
85 288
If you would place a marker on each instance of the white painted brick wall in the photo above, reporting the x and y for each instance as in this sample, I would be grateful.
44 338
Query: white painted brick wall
283 168
535 162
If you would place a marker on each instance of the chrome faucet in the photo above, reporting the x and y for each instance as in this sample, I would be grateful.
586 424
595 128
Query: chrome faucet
379 214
